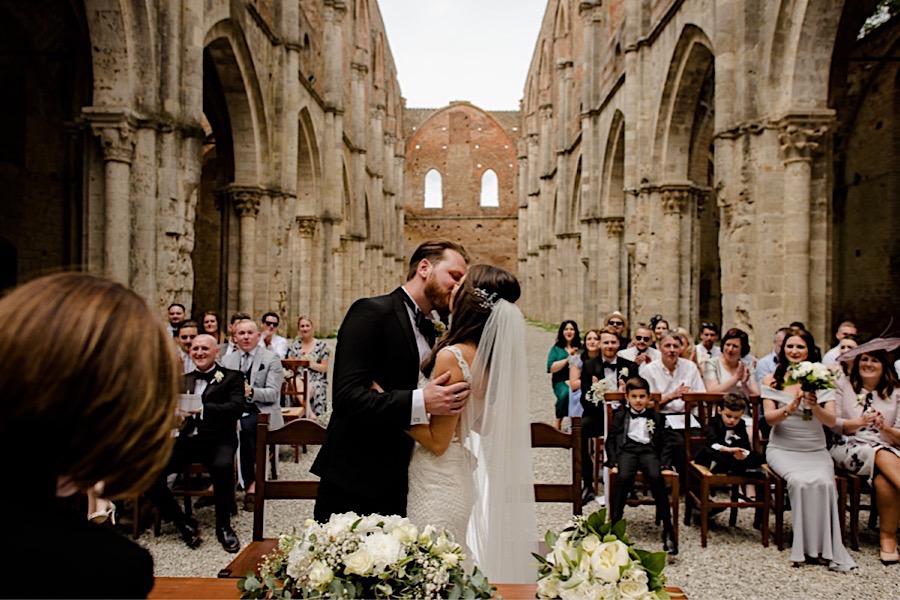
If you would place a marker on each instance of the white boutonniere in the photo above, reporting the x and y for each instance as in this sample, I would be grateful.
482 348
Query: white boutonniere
218 377
651 426
623 372
439 327
861 399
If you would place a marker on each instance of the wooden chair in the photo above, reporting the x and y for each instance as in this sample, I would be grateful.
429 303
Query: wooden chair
700 482
544 435
856 487
300 432
293 393
779 491
670 477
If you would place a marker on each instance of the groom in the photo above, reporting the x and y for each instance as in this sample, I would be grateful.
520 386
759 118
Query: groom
381 344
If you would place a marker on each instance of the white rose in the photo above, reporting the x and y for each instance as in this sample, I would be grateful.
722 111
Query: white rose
425 535
359 563
632 589
570 590
607 559
444 544
384 549
340 524
451 559
564 552
319 574
636 573
548 587
405 533
590 543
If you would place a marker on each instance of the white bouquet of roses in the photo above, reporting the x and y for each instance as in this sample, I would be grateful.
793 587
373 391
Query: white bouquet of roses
366 557
600 387
591 558
811 377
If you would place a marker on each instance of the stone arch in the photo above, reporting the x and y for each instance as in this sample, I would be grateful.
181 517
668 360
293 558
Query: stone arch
613 198
689 68
361 25
230 56
308 165
562 41
545 68
378 62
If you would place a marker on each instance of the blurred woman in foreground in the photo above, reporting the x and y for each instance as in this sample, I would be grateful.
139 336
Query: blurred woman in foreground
89 381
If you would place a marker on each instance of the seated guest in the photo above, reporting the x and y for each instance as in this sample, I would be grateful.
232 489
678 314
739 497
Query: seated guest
641 351
659 327
768 363
727 447
729 370
207 436
618 320
269 339
576 361
176 314
672 376
226 348
797 453
707 348
89 390
263 376
211 326
308 347
633 444
844 329
688 349
868 432
607 366
187 331
842 367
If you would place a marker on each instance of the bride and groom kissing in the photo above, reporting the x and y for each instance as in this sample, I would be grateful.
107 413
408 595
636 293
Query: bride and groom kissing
440 434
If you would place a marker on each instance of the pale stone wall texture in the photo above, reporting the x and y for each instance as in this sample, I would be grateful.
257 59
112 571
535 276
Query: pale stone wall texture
711 160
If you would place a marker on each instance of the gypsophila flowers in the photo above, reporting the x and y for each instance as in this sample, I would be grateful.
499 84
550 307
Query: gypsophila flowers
371 556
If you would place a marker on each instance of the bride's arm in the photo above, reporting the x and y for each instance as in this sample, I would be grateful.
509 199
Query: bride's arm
438 433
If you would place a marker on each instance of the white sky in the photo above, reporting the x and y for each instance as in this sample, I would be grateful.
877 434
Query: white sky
475 50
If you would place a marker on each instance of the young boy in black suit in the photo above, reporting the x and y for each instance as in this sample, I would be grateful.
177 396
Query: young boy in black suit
633 444
727 448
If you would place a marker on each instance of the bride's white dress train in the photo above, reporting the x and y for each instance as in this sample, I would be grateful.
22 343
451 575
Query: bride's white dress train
441 491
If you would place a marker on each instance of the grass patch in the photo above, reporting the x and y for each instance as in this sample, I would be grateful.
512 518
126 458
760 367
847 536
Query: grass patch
551 327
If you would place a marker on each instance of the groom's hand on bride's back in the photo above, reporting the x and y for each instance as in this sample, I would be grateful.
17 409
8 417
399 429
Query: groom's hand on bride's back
442 399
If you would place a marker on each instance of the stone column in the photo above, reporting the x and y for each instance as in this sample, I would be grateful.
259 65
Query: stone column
117 138
798 141
306 271
615 227
246 203
674 202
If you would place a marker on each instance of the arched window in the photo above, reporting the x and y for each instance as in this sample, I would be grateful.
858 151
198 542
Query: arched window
434 197
489 195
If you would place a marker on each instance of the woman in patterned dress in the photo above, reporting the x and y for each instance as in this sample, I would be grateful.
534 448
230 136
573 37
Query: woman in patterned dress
868 437
308 347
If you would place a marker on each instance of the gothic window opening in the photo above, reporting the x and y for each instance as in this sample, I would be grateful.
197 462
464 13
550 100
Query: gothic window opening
433 189
489 193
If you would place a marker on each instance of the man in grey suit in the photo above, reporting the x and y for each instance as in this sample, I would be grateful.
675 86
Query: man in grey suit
262 393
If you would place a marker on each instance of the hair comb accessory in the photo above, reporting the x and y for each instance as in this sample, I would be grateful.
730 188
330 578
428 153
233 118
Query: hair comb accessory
489 300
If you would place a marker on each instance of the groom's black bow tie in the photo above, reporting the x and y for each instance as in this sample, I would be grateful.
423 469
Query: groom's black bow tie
423 323
207 377
609 365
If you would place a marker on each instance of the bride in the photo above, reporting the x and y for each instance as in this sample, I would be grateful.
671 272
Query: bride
471 473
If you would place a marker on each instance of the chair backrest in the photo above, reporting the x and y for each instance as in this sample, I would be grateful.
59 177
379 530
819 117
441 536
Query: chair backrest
544 435
703 406
298 432
620 397
295 394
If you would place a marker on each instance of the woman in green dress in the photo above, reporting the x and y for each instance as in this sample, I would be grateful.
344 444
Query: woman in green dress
568 342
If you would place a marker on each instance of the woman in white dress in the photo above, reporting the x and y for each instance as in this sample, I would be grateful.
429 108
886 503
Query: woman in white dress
797 453
471 473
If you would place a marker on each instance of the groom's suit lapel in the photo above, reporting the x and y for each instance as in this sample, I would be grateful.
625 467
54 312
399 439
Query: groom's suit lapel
402 316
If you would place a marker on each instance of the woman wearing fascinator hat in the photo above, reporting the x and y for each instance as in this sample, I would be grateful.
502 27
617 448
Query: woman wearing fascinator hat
867 431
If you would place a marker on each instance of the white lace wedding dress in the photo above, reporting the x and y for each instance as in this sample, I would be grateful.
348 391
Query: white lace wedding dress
441 491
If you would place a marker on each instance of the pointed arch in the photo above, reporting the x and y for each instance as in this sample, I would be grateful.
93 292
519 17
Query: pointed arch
688 70
308 165
613 193
489 189
562 44
434 192
229 55
361 30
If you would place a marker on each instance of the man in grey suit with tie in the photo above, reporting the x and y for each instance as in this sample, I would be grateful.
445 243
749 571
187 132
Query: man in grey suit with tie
262 393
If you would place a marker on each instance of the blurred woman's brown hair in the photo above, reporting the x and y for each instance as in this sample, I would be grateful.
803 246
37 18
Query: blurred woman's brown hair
89 380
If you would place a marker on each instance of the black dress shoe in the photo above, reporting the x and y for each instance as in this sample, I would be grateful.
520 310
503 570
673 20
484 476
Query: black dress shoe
587 494
249 501
669 544
228 538
190 533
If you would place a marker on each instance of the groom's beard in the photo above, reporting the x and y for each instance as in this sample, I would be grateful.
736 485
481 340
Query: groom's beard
440 298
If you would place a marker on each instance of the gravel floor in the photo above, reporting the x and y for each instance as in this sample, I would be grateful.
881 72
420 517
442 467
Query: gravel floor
733 565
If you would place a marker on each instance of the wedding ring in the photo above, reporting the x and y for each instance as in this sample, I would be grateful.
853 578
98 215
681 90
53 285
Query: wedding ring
456 397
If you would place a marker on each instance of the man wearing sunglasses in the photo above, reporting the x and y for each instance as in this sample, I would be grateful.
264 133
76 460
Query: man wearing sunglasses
640 351
269 339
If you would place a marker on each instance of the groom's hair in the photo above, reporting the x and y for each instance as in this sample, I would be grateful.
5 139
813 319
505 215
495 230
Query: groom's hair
433 252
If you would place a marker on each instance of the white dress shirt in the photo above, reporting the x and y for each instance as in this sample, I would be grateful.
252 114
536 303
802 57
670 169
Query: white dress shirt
637 429
665 382
418 414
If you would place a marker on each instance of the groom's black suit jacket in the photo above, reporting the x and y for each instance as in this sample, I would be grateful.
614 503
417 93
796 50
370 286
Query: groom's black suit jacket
367 450
592 419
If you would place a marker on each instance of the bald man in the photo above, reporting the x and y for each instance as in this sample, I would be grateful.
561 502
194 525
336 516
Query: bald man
208 435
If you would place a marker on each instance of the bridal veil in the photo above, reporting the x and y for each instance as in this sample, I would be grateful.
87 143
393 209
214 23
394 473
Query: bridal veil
496 429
